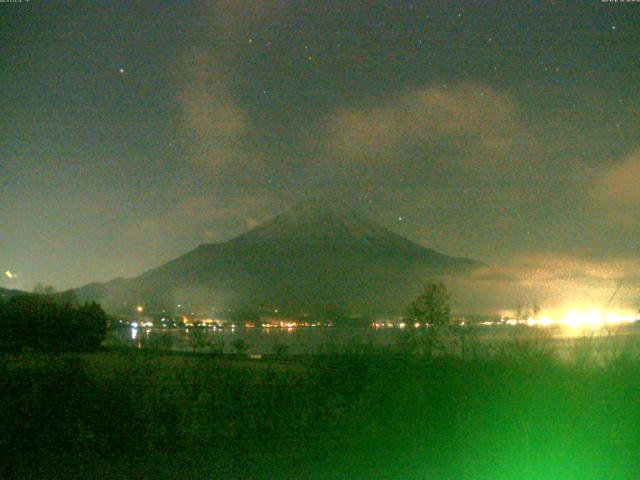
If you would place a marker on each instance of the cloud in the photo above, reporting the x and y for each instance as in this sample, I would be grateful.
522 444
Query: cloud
213 122
554 281
617 189
217 118
200 218
237 19
480 122
469 161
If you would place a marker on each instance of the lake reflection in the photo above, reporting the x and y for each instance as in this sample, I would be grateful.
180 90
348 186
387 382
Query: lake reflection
306 341
294 341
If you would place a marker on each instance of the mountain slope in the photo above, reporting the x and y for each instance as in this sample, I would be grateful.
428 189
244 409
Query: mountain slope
313 258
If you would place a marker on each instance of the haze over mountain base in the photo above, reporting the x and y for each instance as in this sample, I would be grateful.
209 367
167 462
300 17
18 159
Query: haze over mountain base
316 258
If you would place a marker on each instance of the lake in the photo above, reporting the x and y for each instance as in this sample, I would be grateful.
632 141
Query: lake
306 341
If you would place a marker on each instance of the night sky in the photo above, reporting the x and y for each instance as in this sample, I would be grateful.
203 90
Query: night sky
131 132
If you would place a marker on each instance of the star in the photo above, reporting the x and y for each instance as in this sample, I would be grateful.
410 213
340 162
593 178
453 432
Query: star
121 70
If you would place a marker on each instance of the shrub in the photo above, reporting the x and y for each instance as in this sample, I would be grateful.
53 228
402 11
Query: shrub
50 323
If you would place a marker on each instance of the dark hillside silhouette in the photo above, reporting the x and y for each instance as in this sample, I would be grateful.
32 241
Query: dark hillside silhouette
50 323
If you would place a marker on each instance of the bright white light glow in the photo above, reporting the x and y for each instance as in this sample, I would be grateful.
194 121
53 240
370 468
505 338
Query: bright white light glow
578 318
10 274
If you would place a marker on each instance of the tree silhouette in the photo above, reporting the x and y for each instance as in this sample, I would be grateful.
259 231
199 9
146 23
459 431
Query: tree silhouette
432 306
42 289
430 309
50 323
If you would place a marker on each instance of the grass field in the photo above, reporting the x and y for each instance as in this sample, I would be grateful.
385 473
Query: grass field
518 413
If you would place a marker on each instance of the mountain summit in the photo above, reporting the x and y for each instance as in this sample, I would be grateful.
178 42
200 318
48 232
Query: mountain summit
320 224
316 257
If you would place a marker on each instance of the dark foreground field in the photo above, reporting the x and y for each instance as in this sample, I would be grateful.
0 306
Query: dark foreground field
515 414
